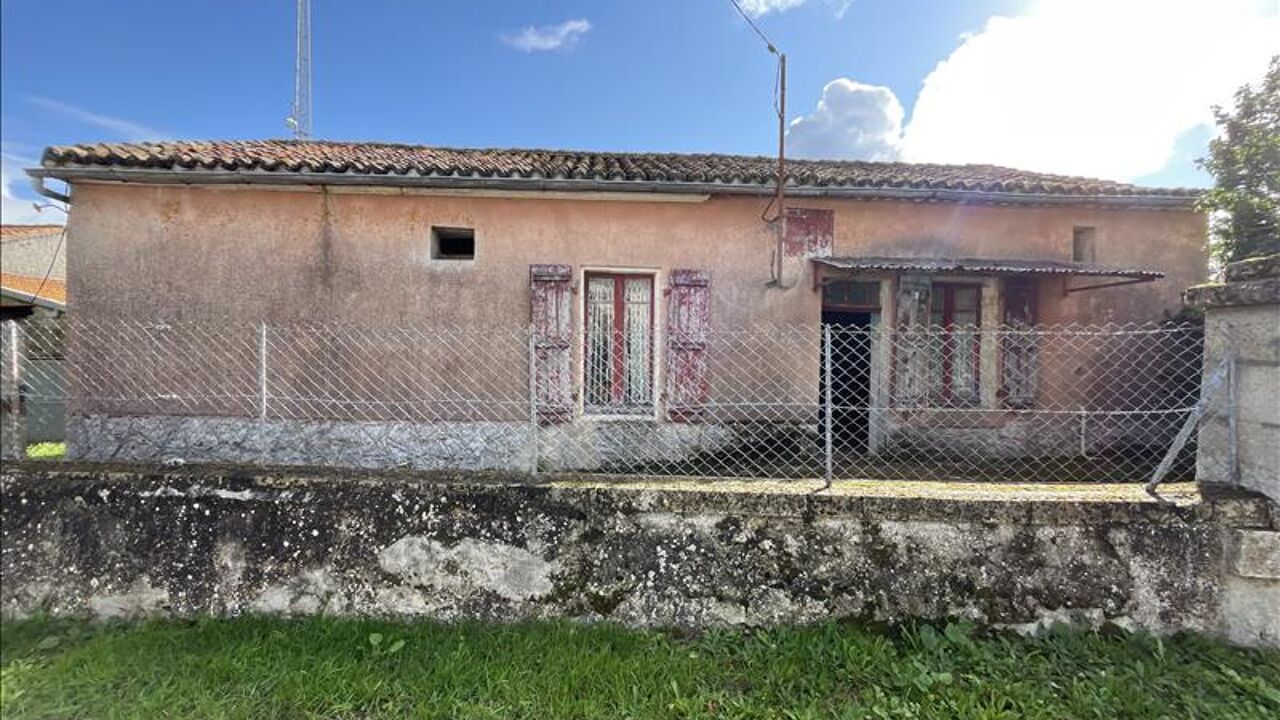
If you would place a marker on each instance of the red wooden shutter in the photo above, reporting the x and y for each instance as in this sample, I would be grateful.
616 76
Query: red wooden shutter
810 233
914 350
550 290
688 316
1020 350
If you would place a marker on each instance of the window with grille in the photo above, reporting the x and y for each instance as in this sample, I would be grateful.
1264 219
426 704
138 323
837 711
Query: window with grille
618 355
955 309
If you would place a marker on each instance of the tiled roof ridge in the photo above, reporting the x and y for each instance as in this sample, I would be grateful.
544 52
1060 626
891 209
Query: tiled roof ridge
386 158
22 231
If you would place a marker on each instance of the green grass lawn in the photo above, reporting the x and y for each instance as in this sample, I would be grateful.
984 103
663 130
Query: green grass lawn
327 668
46 450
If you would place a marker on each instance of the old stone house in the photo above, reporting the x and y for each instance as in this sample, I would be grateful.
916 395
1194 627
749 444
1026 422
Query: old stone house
627 266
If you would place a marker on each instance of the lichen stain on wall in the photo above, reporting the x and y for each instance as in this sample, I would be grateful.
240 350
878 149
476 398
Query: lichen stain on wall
512 573
222 542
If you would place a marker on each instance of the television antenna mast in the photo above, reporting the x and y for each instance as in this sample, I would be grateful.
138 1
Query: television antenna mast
299 121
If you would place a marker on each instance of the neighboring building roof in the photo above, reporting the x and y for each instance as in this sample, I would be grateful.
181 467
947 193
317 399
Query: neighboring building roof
33 250
36 290
983 266
368 163
13 233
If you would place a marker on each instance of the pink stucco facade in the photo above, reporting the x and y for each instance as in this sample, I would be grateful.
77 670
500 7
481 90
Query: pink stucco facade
361 258
213 253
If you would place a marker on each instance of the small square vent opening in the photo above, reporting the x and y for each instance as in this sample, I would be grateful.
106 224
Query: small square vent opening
453 243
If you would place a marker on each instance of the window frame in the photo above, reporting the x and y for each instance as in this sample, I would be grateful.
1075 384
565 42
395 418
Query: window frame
617 382
829 304
948 290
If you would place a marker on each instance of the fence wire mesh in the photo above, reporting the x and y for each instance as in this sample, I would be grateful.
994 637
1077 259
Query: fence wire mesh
1047 403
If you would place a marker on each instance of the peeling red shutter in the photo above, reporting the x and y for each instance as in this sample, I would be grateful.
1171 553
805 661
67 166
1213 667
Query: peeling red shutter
810 233
914 349
550 290
688 316
1020 348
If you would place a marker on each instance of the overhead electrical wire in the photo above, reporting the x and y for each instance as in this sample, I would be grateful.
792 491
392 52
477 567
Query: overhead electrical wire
48 271
768 43
777 204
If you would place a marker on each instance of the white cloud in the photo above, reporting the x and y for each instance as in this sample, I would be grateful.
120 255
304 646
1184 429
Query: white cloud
852 122
548 37
757 8
125 129
1091 87
15 209
16 200
760 8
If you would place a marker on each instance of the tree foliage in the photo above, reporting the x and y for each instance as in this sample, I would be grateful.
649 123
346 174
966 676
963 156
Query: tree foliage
1244 204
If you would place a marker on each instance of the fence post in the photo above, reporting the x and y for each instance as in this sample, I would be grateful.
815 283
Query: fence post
1207 390
262 371
826 391
13 444
533 401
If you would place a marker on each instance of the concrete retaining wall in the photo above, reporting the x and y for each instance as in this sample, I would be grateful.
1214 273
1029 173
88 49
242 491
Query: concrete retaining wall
157 438
589 445
128 540
583 445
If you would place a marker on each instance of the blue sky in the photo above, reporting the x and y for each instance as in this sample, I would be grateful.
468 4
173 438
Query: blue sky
664 75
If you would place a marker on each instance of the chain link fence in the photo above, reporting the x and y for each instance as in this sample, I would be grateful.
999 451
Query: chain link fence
1047 403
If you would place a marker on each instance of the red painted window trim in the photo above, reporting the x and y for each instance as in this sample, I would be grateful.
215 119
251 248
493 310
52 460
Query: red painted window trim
948 324
617 389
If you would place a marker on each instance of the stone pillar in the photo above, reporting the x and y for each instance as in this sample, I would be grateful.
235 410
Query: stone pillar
1242 318
13 425
1238 447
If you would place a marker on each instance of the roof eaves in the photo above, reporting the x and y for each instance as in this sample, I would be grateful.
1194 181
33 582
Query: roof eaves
200 176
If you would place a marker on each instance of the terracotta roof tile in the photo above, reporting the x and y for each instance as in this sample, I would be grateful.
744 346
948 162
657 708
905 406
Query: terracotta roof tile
10 233
387 159
28 286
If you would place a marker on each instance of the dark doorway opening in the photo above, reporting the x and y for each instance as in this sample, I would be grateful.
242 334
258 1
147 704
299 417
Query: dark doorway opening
851 347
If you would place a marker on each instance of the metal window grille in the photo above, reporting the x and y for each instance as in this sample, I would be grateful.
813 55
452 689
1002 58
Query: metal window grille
618 343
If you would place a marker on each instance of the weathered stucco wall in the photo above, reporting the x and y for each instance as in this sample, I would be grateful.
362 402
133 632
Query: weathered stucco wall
120 541
237 256
35 255
284 256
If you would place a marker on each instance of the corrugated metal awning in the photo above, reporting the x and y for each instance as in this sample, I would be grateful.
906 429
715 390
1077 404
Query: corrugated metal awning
985 266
